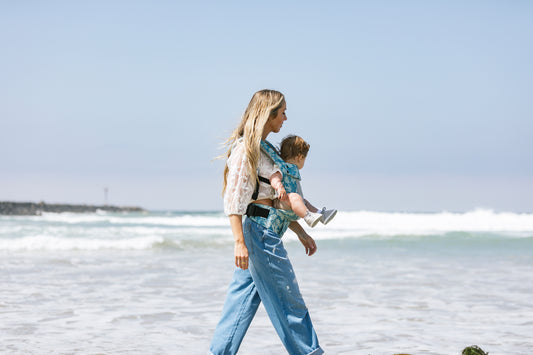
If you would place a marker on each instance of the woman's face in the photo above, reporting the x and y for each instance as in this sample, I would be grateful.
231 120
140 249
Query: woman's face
276 122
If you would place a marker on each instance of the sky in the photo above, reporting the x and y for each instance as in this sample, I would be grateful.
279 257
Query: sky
407 105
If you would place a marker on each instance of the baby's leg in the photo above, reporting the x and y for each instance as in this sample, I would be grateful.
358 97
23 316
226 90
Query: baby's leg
297 204
299 207
281 205
310 207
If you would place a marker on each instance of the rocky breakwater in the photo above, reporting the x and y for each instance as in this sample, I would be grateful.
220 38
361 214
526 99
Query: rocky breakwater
35 209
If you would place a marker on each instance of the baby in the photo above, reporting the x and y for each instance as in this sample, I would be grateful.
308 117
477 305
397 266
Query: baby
293 150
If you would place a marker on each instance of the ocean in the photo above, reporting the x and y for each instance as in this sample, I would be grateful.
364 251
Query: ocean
154 283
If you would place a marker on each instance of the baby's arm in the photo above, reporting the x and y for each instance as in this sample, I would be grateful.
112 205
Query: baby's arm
275 181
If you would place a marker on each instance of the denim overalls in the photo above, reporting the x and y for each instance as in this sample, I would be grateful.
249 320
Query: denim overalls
270 278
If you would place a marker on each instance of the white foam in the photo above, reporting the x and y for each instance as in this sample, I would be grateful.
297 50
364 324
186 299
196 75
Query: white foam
69 231
182 220
49 243
387 224
186 220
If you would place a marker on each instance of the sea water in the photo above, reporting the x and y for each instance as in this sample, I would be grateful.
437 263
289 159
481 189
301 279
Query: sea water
154 283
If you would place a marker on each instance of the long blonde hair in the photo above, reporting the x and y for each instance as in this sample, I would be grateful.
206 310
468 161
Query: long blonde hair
263 105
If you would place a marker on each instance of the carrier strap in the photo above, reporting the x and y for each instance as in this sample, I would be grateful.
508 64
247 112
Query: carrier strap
256 191
286 168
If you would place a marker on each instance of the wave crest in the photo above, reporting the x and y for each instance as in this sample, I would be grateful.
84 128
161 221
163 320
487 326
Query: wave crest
397 223
48 243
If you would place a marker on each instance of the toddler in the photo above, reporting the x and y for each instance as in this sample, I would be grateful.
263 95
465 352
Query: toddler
293 150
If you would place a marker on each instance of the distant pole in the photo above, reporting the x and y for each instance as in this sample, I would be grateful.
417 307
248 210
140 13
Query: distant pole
106 190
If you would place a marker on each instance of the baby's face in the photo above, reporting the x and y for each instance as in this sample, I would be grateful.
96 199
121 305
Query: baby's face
299 161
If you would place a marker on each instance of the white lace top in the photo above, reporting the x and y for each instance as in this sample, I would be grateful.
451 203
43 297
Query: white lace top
239 187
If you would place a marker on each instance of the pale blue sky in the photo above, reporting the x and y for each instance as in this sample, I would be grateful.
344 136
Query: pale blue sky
407 105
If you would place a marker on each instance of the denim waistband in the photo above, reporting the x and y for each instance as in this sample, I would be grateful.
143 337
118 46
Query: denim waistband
277 220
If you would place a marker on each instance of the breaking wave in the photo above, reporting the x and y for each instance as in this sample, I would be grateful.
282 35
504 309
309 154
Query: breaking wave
164 230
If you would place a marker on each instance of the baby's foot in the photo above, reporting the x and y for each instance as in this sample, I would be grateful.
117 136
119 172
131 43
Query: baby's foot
312 218
327 215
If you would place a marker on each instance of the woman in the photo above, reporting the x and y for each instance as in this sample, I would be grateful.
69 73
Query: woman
263 271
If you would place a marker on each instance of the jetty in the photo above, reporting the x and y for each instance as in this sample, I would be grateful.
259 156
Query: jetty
37 208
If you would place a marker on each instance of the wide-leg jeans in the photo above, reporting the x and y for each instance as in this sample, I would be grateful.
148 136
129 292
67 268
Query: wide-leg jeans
270 278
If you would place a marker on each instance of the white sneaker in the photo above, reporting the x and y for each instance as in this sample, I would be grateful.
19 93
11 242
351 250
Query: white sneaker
312 218
327 215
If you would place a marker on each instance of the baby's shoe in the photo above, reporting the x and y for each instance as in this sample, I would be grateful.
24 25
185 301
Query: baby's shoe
312 218
327 215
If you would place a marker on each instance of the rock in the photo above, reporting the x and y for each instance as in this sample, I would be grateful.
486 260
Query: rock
473 350
35 209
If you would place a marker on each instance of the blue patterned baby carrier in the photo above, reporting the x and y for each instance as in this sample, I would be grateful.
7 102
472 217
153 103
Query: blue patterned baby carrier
291 173
270 217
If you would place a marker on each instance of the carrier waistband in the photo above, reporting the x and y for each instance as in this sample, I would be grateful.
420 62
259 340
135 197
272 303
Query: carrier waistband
256 211
270 217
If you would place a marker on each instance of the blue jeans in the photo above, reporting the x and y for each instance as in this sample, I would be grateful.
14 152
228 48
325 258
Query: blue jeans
270 278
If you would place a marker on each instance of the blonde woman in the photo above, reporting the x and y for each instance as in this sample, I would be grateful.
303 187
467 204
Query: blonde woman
263 271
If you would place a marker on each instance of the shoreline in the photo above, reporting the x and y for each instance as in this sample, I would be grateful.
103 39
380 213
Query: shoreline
10 208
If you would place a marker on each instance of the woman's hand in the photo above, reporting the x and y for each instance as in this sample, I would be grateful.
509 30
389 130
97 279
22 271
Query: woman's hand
308 243
241 255
241 251
306 240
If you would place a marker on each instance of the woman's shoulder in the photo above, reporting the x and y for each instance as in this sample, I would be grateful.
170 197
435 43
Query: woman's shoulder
237 150
238 144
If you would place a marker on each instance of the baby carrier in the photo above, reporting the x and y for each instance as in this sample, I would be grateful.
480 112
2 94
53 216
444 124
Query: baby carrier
267 216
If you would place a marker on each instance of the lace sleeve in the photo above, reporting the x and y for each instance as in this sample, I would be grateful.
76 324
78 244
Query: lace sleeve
239 188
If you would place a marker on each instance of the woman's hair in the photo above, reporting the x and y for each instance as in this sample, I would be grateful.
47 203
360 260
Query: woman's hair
263 105
292 146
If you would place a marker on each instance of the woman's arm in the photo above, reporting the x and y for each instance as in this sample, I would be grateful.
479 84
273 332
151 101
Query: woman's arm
308 242
241 252
239 187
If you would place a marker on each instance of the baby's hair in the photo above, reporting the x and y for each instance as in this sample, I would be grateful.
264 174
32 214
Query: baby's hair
292 146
